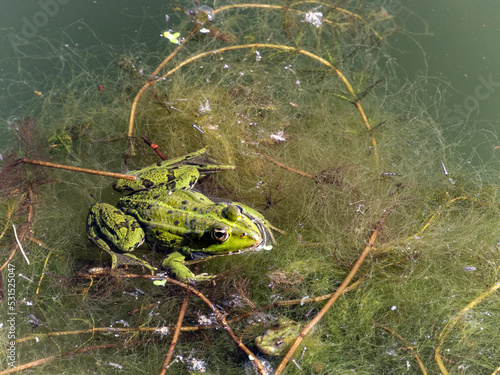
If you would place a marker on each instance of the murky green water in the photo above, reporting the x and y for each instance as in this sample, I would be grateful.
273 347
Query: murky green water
327 141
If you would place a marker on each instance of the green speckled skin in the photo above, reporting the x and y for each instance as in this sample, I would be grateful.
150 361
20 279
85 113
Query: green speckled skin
275 340
171 218
183 220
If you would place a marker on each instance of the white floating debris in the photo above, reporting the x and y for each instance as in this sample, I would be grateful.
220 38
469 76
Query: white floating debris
315 18
278 136
162 331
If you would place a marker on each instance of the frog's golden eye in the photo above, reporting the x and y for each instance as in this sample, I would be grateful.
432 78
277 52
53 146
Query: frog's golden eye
220 234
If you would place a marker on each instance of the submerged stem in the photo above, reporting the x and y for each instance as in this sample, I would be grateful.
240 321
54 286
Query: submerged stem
335 295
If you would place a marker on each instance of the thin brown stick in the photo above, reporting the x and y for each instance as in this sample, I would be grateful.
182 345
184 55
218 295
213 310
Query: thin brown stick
335 295
281 165
175 337
78 169
155 147
54 357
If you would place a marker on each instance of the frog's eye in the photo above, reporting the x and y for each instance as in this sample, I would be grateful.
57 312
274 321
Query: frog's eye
220 234
232 212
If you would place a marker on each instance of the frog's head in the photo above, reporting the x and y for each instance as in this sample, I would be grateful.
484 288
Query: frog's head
237 230
277 338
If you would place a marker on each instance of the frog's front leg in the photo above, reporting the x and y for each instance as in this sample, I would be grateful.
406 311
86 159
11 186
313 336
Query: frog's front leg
175 262
116 233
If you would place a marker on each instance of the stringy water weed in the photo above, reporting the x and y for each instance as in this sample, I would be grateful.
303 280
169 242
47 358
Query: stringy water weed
306 158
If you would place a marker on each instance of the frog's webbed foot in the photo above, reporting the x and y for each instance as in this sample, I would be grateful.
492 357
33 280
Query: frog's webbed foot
118 259
175 262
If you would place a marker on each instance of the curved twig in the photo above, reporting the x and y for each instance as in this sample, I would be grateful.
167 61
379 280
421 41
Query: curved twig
321 60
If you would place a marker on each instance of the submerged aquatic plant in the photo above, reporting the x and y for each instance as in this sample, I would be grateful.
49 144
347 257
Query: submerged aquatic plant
323 147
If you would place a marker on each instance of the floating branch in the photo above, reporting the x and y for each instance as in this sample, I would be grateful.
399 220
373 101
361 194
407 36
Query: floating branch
78 169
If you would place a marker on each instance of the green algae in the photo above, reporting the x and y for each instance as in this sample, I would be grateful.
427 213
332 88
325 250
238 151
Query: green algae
436 253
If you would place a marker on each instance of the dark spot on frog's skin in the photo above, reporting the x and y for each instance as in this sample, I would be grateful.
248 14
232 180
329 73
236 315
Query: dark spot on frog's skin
156 197
170 212
147 183
176 222
162 184
158 164
195 209
184 202
149 206
172 242
192 222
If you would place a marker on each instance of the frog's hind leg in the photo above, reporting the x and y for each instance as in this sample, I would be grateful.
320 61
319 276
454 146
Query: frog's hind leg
116 233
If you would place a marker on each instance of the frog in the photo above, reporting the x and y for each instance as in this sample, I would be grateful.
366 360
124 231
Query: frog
162 209
278 338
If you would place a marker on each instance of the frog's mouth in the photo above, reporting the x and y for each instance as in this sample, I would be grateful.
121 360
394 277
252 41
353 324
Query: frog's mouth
267 238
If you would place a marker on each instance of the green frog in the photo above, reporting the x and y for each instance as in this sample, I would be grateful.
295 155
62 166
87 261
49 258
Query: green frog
278 338
163 211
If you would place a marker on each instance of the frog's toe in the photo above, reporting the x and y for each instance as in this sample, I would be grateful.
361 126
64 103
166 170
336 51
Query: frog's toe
202 277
